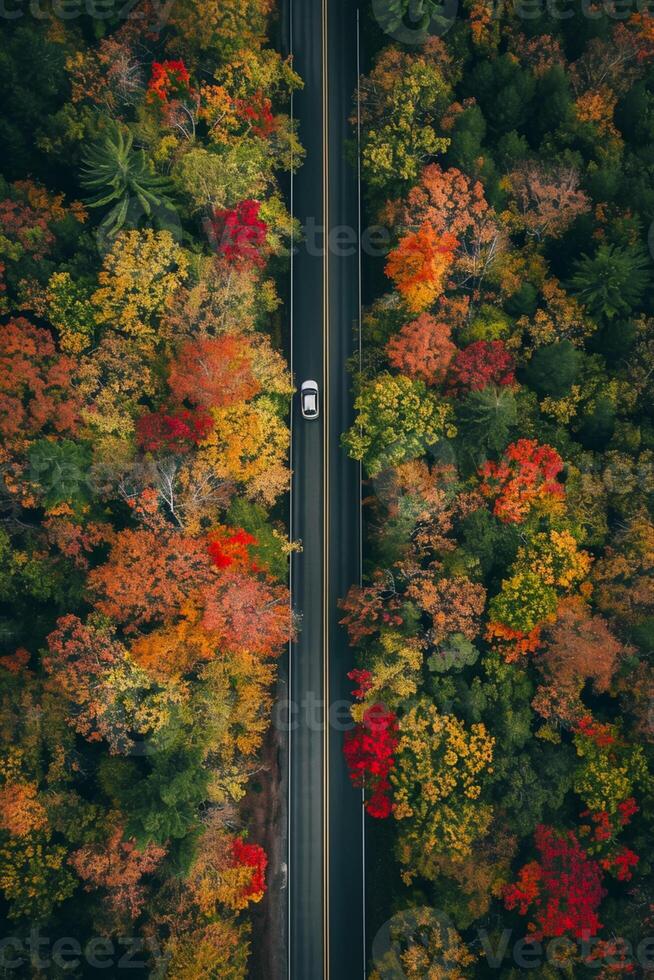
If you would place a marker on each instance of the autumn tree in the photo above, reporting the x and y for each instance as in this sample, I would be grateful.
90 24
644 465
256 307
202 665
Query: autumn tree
545 202
525 477
214 371
369 754
577 647
423 946
118 867
239 233
452 203
480 365
138 279
440 769
36 395
422 349
561 891
454 605
624 575
401 101
110 698
419 265
398 419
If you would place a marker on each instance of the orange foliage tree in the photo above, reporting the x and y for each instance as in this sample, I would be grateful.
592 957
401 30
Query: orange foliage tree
422 349
419 266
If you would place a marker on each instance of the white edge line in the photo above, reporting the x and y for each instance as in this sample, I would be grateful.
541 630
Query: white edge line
290 525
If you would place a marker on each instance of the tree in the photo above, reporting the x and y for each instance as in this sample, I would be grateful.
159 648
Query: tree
249 446
162 804
609 767
250 613
369 755
71 312
423 946
486 420
118 867
168 78
110 697
214 371
440 769
422 349
454 605
223 32
398 419
122 177
624 575
150 576
138 279
419 264
553 369
174 431
36 396
394 671
525 477
453 203
60 469
368 609
562 890
218 949
401 100
545 201
239 233
483 364
576 648
34 877
611 282
228 872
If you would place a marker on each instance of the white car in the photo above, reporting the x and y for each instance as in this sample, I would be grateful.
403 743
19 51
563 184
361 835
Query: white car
309 401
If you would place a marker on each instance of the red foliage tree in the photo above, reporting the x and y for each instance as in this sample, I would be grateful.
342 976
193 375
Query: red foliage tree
363 678
239 233
230 548
257 113
526 474
214 371
175 432
562 891
621 863
484 363
252 856
168 78
422 349
369 749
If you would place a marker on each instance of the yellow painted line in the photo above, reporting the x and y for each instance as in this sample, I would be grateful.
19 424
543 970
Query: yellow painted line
325 199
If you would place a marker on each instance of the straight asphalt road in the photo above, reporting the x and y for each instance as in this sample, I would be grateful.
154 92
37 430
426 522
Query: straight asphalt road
326 853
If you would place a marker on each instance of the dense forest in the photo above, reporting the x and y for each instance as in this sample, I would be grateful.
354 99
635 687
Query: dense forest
143 451
504 632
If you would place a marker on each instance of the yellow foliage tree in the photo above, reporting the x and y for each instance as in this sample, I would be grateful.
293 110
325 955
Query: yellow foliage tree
138 279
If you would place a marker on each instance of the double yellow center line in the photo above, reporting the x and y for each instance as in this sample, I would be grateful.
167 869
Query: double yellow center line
326 438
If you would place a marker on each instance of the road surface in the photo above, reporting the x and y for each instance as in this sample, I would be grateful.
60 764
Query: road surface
325 874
